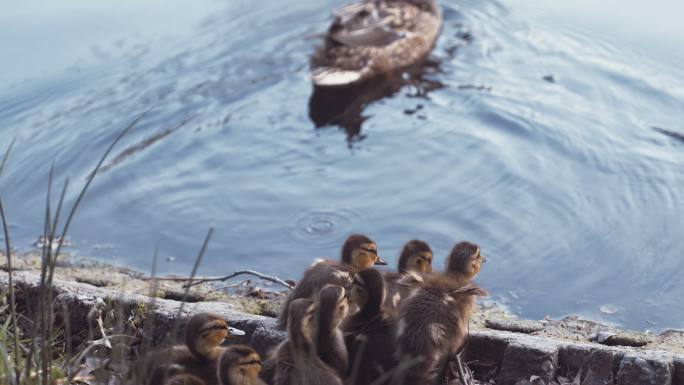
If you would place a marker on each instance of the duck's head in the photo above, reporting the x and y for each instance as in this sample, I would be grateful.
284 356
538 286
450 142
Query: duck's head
332 306
465 260
360 252
368 290
415 256
426 5
205 332
238 364
300 322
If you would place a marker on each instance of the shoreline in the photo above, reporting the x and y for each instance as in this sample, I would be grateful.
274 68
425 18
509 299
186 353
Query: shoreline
518 348
264 298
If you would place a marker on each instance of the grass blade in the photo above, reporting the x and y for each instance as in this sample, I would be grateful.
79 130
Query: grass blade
176 322
6 156
13 310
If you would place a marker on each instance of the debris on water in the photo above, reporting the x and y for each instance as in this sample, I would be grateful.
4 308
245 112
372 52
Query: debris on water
608 309
549 78
672 134
41 242
170 259
411 111
103 246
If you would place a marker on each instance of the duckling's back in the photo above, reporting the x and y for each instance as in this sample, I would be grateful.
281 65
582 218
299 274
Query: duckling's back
433 323
372 352
321 273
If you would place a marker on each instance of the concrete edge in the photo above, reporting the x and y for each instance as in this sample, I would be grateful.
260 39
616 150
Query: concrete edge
518 356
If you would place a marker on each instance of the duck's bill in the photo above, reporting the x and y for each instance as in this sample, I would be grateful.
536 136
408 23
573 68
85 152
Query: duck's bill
236 332
380 262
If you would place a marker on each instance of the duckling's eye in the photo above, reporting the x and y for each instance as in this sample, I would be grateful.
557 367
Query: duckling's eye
372 251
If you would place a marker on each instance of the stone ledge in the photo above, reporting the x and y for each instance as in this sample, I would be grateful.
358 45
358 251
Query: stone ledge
518 356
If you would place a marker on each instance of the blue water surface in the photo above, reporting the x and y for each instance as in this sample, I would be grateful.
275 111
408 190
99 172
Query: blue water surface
551 135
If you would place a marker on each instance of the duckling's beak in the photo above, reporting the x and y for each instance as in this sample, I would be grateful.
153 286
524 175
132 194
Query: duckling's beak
235 332
381 262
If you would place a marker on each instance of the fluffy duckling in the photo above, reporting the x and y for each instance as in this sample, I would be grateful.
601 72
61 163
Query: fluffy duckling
239 365
296 360
369 332
358 252
203 335
416 256
375 37
184 379
331 310
433 324
465 262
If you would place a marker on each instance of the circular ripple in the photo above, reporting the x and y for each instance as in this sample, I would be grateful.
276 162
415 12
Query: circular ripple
324 227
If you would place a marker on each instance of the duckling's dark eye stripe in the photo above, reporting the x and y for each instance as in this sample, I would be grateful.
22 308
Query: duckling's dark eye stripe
214 327
258 362
372 251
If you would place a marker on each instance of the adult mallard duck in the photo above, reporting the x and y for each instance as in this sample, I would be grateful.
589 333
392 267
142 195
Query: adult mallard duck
375 37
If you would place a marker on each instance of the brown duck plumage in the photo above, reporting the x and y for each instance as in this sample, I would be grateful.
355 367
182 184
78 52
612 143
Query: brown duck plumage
416 256
358 252
373 37
433 324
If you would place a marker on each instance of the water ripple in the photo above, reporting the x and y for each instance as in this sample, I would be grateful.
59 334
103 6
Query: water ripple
324 227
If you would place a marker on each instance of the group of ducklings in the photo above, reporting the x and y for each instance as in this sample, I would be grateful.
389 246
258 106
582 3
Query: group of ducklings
405 326
346 323
200 360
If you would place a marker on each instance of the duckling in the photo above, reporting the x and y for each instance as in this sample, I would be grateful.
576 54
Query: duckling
239 365
416 256
465 262
375 37
369 333
331 309
296 360
433 324
184 379
358 252
203 335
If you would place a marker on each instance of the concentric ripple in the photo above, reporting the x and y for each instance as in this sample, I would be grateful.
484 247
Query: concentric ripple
324 227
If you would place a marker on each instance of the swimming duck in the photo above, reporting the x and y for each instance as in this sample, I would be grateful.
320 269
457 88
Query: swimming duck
296 360
465 262
238 365
416 256
358 252
331 309
203 335
369 333
375 37
433 324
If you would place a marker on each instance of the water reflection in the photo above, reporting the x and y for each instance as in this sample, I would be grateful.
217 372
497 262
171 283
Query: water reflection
344 106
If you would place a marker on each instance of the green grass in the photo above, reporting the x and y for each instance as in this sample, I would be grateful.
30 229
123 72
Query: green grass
35 347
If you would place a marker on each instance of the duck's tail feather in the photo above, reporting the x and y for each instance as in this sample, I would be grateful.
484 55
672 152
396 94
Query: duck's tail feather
335 77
